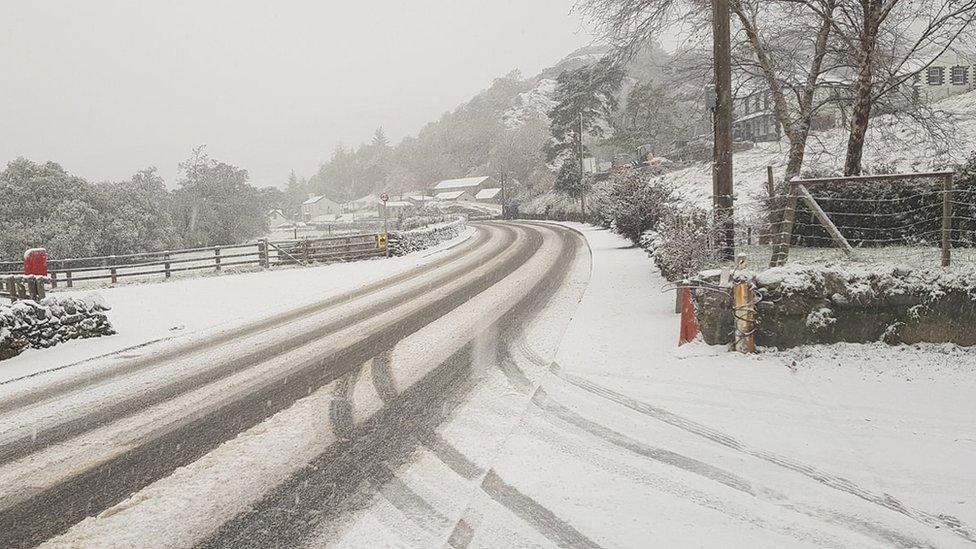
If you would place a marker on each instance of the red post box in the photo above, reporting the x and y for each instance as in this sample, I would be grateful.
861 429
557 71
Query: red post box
35 262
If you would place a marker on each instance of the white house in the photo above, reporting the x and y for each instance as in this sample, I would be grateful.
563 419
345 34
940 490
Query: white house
950 74
318 206
276 219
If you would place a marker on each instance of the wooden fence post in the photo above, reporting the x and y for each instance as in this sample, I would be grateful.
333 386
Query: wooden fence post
263 253
113 269
784 237
217 258
770 184
68 275
54 279
166 258
946 220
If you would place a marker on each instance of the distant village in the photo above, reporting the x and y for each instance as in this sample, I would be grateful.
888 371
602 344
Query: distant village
480 195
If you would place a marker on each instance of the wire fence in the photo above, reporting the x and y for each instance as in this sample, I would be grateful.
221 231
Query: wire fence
914 220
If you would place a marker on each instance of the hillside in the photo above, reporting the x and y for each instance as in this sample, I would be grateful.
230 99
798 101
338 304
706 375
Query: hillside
501 129
895 145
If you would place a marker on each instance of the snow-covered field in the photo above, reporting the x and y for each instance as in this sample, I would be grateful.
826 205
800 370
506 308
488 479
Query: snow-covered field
142 313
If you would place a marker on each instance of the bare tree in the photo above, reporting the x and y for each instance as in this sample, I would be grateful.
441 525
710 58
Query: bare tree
899 39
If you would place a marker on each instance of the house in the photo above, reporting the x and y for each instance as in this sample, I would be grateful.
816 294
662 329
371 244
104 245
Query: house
753 117
317 206
951 73
489 195
470 184
276 219
455 196
368 202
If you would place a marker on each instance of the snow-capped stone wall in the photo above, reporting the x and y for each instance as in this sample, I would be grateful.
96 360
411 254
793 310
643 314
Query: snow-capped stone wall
404 242
828 304
51 321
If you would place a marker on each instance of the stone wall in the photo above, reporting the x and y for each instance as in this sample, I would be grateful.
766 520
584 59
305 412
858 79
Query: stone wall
51 321
404 242
805 305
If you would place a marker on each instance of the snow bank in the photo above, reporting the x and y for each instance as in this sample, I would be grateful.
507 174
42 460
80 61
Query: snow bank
404 242
52 321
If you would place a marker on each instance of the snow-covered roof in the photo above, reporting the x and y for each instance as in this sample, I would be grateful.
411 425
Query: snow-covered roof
399 204
485 194
462 182
314 199
420 197
450 195
759 114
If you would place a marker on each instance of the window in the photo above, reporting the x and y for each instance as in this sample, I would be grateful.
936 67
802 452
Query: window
935 76
960 76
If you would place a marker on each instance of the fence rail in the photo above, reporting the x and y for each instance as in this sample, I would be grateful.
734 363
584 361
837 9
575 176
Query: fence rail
17 286
261 254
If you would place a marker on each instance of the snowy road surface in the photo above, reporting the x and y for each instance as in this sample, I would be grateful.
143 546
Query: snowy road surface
519 388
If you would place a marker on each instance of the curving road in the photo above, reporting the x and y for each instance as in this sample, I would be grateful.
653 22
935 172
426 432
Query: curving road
387 364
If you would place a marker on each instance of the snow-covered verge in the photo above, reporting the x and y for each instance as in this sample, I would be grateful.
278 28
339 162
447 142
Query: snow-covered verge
404 242
145 313
53 320
636 442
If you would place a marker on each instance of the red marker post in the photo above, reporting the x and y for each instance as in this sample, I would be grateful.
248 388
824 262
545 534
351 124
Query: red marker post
35 262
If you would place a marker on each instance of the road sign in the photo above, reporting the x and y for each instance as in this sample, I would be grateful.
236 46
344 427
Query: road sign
381 241
384 197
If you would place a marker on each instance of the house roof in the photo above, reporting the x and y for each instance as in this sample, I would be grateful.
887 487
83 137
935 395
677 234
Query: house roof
399 204
451 195
315 199
420 197
273 212
462 182
484 194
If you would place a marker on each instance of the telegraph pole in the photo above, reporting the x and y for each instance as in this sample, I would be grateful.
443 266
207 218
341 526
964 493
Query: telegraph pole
722 151
582 171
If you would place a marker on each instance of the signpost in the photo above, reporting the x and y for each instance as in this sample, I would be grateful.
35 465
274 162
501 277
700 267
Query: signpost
383 238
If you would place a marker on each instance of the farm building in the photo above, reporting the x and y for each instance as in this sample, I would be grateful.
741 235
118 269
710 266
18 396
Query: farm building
455 196
472 185
489 195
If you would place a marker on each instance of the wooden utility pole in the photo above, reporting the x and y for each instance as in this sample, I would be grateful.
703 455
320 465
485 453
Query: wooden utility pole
582 171
722 151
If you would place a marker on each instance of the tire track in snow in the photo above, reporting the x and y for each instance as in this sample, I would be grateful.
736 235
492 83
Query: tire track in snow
832 481
334 489
37 516
28 443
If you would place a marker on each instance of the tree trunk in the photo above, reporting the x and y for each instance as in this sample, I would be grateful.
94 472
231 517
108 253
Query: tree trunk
863 100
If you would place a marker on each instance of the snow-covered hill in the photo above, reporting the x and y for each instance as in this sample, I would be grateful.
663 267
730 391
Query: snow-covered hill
890 142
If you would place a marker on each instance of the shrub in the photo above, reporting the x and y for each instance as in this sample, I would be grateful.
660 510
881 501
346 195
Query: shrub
682 245
636 205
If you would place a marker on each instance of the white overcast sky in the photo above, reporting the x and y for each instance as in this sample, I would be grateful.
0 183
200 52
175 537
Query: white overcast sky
106 88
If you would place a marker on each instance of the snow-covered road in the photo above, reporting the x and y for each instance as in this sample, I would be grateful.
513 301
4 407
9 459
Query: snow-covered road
524 389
